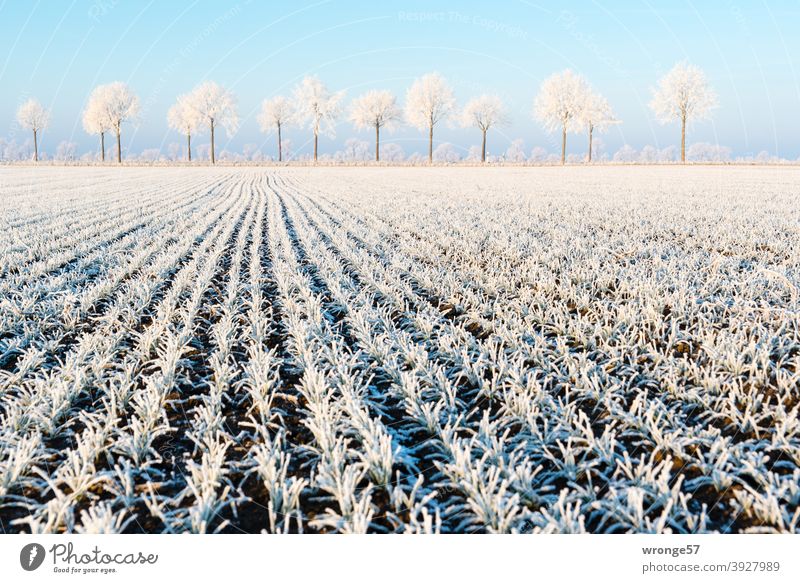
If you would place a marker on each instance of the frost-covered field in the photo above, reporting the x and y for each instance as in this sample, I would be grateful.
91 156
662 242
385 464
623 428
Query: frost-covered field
401 350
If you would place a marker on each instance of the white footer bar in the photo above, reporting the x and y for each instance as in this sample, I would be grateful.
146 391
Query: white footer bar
178 558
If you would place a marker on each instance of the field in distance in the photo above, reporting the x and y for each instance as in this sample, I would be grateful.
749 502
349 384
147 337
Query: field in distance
533 350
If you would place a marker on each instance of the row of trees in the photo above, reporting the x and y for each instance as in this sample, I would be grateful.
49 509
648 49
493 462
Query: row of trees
566 103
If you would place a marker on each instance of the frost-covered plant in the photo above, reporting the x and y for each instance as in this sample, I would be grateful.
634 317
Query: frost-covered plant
333 353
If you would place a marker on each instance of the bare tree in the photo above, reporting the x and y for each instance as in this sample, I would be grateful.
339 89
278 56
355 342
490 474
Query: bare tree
484 112
214 105
595 114
558 104
375 109
95 117
428 101
184 118
31 115
275 113
317 107
683 94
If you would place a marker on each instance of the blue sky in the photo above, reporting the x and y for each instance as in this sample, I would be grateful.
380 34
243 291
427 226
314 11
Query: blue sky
57 51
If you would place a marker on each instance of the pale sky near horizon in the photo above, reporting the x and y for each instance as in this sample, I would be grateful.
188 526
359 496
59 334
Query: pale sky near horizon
57 51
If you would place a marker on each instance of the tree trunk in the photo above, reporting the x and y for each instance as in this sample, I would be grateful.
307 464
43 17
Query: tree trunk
119 146
316 139
430 145
102 146
213 159
563 144
683 139
591 127
280 146
189 145
377 142
483 147
35 147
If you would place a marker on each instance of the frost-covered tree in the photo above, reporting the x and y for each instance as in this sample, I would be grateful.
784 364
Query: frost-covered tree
95 117
599 149
275 113
648 155
668 154
484 112
559 104
286 148
446 153
184 118
121 105
375 109
704 152
173 151
355 150
32 116
150 155
66 151
626 154
538 155
428 101
516 151
13 151
595 114
252 152
109 107
764 157
215 106
473 154
317 108
683 94
393 153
